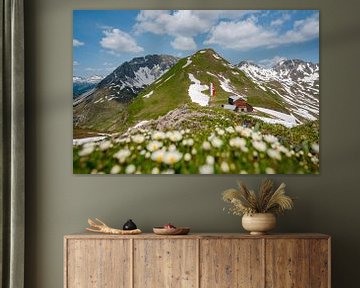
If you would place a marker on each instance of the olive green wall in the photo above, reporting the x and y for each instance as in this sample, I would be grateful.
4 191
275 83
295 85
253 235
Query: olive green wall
59 202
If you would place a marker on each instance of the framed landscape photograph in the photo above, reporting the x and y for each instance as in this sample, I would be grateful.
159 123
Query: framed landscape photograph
196 92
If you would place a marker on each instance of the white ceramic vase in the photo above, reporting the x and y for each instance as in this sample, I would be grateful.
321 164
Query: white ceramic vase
259 223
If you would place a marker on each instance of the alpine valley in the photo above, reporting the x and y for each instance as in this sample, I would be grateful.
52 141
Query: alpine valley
199 114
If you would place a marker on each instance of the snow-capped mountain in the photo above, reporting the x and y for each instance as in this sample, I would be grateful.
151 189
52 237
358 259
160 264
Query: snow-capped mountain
131 77
149 87
119 88
296 82
84 84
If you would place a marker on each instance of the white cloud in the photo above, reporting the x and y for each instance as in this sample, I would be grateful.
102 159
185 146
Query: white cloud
241 35
271 61
183 25
76 63
178 23
303 30
281 20
117 41
183 43
249 34
77 43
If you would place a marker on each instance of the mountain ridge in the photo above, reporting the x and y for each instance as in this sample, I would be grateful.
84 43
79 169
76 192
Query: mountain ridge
272 91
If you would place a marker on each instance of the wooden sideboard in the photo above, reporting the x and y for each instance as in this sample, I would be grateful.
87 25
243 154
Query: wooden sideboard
197 260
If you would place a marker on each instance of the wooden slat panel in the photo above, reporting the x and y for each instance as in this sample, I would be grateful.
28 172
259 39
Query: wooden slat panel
231 263
164 263
98 264
287 263
319 263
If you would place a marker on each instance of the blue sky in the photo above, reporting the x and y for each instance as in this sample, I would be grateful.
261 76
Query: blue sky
104 39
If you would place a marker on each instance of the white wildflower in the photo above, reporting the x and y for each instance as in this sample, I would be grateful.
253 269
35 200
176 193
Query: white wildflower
314 159
122 155
210 160
188 142
130 169
315 147
256 136
172 147
187 157
115 169
138 138
220 131
206 145
142 152
155 170
206 169
259 145
270 139
274 154
193 151
174 136
225 167
158 135
283 149
147 155
269 170
154 145
86 151
245 132
237 142
172 157
238 129
230 129
158 156
89 144
105 145
216 142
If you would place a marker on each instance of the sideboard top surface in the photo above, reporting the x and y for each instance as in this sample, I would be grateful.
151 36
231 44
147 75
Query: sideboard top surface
87 235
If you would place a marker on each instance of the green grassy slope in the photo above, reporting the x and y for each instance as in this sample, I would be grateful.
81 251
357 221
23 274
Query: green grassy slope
171 90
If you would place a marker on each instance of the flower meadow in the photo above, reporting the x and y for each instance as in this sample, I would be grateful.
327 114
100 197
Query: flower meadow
223 149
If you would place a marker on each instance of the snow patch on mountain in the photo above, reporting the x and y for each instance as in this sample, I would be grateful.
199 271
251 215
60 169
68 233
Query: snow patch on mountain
279 117
195 91
225 84
148 94
295 81
187 63
216 56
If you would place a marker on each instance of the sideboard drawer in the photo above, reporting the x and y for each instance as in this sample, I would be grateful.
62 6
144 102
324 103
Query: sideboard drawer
231 263
165 263
98 263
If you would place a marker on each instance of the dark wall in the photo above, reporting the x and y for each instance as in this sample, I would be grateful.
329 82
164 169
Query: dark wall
59 203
